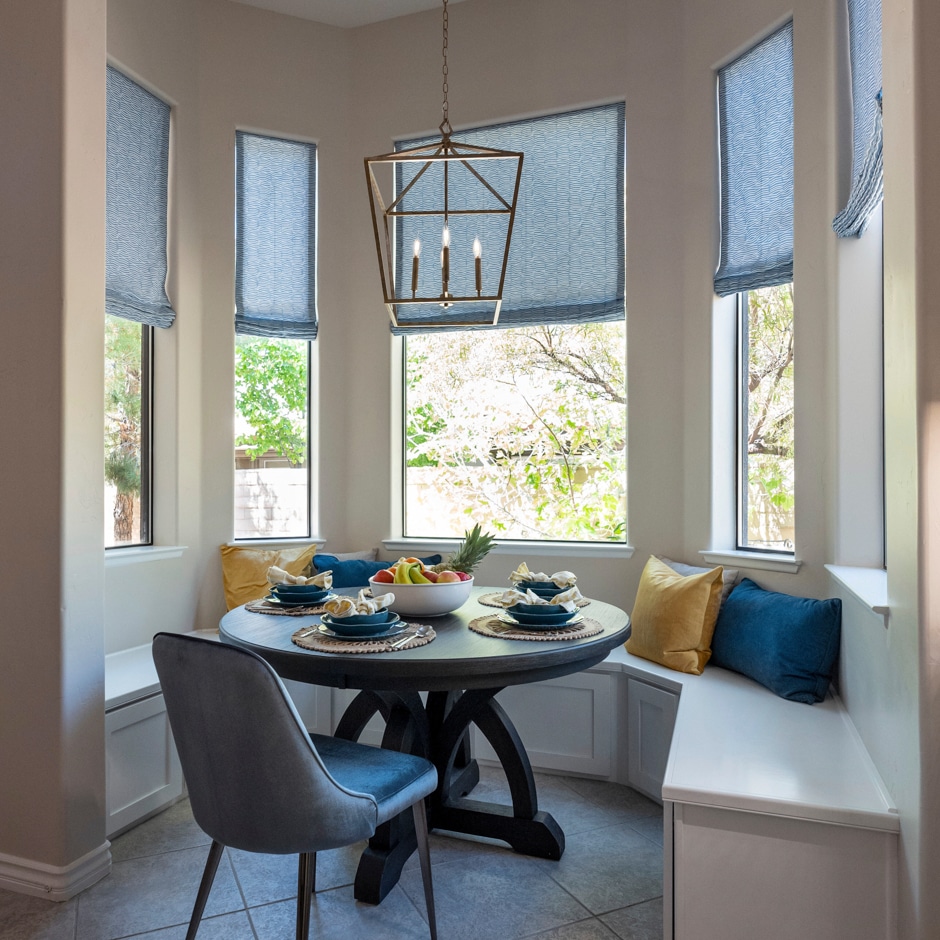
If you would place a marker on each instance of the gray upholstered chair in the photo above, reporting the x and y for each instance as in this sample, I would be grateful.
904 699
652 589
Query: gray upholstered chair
257 781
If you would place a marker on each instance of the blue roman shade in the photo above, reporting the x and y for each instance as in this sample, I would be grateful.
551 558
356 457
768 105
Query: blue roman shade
138 143
275 237
567 257
867 163
755 109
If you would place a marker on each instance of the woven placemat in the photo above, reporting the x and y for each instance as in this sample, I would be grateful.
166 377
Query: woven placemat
493 626
263 607
326 644
492 600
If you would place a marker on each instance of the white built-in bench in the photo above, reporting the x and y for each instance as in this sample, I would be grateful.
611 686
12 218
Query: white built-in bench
776 822
143 771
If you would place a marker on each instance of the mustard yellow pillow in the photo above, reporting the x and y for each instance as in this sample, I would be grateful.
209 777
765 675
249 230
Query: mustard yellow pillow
673 617
244 569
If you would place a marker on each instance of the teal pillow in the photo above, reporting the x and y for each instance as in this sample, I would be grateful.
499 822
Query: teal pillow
788 644
356 572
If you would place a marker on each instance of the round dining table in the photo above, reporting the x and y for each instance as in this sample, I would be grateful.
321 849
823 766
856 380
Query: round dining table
460 673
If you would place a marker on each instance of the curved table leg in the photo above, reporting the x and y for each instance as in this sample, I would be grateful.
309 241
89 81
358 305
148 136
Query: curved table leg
406 729
523 826
440 731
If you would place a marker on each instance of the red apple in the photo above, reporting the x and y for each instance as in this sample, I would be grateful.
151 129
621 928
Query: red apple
447 577
464 576
384 577
430 575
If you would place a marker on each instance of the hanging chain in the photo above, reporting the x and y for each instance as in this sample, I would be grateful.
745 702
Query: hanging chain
445 127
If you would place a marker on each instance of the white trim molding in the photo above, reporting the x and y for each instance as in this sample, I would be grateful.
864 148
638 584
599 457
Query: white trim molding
55 882
759 560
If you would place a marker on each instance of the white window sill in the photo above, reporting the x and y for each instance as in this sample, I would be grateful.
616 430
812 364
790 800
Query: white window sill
276 543
763 562
113 557
534 549
868 585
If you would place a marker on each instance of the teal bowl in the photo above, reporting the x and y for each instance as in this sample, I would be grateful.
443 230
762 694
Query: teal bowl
541 614
309 593
539 588
360 624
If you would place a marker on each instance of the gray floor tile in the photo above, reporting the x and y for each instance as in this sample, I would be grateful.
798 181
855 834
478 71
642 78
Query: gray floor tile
610 868
619 800
150 893
225 927
267 878
174 828
572 811
23 917
507 897
649 826
640 922
591 929
336 915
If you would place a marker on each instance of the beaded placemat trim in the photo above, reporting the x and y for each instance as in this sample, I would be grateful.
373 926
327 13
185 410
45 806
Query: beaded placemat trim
492 600
493 626
263 607
325 644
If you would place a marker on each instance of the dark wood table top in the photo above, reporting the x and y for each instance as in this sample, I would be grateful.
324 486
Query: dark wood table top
458 658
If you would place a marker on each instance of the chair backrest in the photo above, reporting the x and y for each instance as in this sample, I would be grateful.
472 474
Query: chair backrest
255 779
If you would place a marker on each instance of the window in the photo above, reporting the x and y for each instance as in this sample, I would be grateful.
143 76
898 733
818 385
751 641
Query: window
275 321
755 101
765 423
138 137
522 428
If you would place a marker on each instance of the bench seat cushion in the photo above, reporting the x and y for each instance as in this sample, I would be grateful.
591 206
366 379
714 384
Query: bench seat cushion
788 644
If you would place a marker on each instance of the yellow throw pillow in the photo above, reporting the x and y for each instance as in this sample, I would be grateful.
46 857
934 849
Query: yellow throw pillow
674 617
244 569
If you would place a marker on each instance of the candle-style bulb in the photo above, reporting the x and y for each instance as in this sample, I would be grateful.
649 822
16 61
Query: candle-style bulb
445 258
478 264
414 267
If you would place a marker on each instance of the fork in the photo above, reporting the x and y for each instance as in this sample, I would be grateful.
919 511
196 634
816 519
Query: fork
421 630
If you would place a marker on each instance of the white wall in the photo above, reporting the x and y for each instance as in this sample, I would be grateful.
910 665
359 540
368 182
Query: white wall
51 375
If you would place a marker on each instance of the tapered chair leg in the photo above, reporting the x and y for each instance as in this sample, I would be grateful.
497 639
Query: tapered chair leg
306 881
205 886
424 857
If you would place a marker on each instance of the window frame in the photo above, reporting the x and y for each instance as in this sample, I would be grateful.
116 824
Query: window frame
741 432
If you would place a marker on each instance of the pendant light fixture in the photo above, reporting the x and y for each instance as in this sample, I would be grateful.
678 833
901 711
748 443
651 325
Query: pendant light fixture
459 196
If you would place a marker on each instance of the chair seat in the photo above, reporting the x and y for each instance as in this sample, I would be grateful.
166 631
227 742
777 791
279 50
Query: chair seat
396 780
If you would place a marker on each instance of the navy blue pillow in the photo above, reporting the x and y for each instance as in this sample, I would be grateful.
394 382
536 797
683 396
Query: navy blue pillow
356 572
788 644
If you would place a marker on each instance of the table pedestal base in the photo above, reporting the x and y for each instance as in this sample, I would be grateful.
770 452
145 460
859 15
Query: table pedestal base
440 732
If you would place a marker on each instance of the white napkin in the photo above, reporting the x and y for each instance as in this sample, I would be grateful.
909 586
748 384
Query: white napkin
279 576
346 606
561 579
568 600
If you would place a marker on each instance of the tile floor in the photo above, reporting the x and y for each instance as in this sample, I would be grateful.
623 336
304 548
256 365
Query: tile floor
607 885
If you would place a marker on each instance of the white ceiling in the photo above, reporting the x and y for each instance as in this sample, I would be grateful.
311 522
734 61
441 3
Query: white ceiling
347 13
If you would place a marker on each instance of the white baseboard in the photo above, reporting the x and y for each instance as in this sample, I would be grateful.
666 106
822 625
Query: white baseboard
53 882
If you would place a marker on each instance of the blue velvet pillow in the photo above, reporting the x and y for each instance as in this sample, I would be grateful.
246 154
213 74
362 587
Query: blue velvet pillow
356 572
788 644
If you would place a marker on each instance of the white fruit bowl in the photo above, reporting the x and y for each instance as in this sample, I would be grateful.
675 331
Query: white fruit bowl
424 600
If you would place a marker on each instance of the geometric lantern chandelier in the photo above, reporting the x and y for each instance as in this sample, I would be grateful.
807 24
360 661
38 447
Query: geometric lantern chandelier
444 193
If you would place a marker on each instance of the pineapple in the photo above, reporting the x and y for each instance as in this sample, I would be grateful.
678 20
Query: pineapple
471 551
